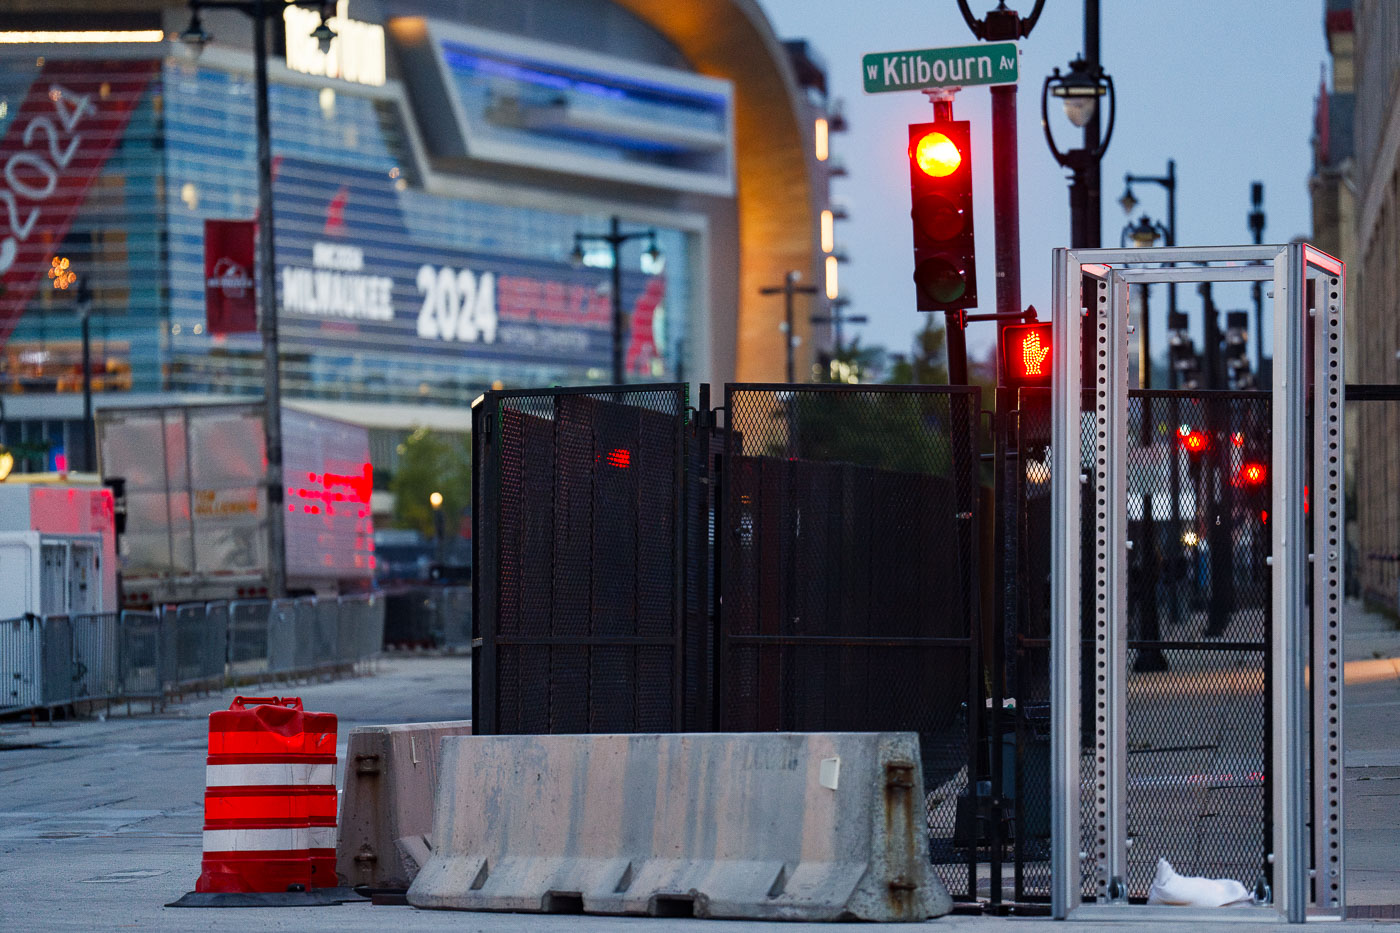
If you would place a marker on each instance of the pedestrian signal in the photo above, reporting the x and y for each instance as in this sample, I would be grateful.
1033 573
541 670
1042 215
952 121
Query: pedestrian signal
1026 355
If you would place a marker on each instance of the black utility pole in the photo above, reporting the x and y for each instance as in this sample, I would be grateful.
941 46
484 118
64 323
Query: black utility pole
615 238
260 12
837 319
85 318
1001 24
788 289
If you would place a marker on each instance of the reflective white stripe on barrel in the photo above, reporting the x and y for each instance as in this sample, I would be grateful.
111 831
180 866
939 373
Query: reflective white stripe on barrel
256 840
322 837
288 773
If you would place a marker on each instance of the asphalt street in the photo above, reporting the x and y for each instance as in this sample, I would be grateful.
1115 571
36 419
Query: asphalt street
100 819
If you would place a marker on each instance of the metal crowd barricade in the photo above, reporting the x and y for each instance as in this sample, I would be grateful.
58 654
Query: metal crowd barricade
248 642
140 657
281 636
21 663
94 656
56 661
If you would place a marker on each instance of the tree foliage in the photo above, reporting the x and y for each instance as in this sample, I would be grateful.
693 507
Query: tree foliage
432 462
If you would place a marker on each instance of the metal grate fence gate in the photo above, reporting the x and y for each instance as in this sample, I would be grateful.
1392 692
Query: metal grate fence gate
849 589
580 595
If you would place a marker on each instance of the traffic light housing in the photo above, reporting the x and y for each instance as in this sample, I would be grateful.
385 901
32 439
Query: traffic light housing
940 189
1025 353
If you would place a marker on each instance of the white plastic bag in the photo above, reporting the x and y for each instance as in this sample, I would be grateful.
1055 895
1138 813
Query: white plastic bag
1170 888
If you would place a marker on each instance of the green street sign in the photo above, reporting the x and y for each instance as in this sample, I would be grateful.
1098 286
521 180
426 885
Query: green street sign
959 66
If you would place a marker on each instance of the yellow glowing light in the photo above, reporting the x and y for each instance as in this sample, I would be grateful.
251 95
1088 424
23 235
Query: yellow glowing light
828 232
831 286
435 500
61 275
936 155
823 140
7 463
1190 539
56 37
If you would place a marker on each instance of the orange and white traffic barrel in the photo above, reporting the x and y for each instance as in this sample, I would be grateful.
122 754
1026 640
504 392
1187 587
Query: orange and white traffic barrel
269 800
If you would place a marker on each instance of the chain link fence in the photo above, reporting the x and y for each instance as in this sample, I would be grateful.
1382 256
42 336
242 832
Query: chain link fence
51 662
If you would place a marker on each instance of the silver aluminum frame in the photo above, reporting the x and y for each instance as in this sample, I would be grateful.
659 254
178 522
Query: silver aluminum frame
1307 349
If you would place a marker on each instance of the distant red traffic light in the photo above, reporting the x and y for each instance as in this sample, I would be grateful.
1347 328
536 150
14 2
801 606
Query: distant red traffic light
1194 443
1252 474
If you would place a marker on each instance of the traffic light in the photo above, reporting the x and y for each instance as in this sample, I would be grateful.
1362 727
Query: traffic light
1236 356
1025 352
1195 443
940 188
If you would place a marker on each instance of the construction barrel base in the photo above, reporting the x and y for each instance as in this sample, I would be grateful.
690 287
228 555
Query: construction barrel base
776 826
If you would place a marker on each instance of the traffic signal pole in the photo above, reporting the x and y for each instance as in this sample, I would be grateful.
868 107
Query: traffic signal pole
1003 24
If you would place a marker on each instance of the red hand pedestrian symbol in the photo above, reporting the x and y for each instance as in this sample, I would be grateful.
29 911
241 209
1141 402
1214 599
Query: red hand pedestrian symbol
1033 354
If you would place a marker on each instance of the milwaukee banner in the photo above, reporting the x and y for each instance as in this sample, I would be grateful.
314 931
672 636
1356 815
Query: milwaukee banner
66 127
230 300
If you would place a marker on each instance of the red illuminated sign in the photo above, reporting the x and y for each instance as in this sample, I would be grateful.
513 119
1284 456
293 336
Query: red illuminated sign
1026 354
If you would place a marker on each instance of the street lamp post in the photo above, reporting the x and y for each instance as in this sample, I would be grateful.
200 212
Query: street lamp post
615 238
260 11
1128 202
1145 233
439 526
85 320
1080 90
788 289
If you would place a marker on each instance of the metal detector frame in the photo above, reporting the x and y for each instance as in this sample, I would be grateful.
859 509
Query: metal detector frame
1308 866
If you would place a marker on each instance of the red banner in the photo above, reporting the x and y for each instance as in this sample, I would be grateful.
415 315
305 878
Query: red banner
72 118
230 300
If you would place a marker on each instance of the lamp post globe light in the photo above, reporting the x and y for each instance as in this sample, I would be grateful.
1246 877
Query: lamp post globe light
195 36
1146 233
1083 92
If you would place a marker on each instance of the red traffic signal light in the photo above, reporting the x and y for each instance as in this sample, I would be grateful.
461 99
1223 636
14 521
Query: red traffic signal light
940 188
1025 354
1194 443
1252 474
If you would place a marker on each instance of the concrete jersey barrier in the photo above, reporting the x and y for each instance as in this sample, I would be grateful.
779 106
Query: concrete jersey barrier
387 808
783 826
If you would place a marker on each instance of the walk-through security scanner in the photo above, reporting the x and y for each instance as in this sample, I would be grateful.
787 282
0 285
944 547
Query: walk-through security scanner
1217 750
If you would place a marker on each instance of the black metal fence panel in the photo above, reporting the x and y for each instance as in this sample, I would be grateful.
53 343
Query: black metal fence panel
579 566
847 574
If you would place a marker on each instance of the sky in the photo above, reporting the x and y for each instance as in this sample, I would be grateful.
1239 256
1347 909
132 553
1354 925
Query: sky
1225 87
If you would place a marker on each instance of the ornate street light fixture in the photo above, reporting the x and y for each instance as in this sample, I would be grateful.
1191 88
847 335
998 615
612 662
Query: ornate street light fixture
1079 92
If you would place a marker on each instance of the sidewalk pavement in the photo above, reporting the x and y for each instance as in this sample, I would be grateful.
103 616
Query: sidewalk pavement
1371 800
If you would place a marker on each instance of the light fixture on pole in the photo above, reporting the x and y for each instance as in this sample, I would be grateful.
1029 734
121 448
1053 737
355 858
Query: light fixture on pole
615 238
260 12
1145 228
1079 91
